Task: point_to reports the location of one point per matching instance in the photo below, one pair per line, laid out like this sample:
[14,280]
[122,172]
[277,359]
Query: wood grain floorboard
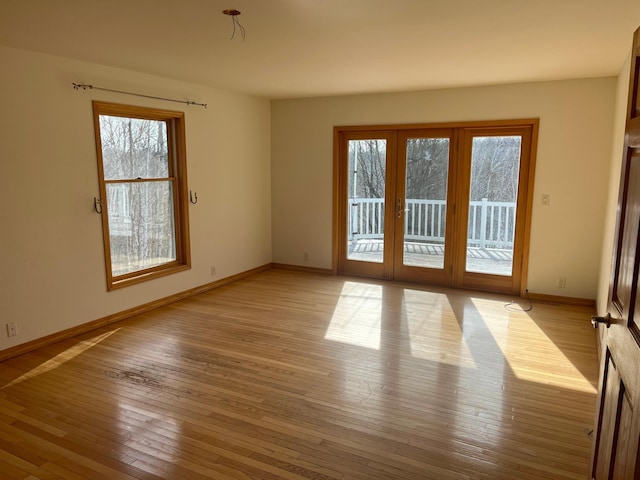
[293,375]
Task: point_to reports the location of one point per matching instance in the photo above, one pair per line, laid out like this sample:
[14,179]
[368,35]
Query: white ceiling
[302,48]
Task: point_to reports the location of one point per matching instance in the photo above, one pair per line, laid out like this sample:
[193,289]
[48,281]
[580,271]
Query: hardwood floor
[294,375]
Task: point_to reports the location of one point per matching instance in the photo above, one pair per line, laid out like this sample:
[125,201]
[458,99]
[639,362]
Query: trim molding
[578,302]
[300,268]
[147,307]
[117,317]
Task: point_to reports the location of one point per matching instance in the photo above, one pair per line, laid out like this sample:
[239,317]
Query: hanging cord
[512,308]
[237,22]
[233,13]
[84,86]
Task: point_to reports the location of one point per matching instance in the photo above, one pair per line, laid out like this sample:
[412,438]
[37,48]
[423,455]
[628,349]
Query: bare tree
[367,162]
[495,167]
[427,168]
[136,169]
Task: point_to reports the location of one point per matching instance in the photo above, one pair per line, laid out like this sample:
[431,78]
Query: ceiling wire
[233,13]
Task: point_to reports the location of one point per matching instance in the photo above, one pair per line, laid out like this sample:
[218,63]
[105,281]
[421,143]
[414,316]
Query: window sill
[146,276]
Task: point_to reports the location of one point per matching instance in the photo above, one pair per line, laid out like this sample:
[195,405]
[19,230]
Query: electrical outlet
[306,256]
[12,330]
[213,270]
[562,282]
[546,200]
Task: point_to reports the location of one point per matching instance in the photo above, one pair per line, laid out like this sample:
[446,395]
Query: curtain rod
[84,86]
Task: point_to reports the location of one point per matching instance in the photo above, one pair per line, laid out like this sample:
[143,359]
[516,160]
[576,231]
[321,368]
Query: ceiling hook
[233,13]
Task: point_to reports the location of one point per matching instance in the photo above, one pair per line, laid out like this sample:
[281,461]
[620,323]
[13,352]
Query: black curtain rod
[84,86]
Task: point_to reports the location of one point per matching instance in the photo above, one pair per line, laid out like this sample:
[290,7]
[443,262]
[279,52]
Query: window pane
[141,225]
[495,167]
[366,191]
[133,148]
[426,202]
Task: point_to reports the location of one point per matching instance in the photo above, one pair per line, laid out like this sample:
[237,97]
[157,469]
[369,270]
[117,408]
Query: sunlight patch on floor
[463,335]
[357,316]
[423,321]
[62,358]
[434,333]
[546,364]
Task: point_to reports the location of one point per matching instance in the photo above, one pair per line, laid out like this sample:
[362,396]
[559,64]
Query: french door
[444,205]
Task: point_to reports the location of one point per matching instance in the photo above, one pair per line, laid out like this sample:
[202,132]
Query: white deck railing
[491,224]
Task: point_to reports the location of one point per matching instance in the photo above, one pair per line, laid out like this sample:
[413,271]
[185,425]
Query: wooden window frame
[176,140]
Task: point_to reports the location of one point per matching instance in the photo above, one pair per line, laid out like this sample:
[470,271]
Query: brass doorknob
[595,320]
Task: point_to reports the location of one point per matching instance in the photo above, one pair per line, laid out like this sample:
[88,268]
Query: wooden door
[495,184]
[366,203]
[405,211]
[617,427]
[461,205]
[424,192]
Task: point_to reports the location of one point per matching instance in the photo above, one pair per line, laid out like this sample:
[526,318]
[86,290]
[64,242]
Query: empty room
[329,239]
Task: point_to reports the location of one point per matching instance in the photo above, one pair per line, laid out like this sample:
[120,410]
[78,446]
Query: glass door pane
[366,185]
[425,208]
[493,194]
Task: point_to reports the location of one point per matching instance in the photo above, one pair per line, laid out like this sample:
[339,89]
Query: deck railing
[491,224]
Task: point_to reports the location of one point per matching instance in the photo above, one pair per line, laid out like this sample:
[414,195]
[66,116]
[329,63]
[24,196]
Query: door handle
[595,320]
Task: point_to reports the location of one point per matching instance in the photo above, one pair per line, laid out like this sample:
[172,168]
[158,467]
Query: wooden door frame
[421,274]
[478,281]
[339,131]
[384,270]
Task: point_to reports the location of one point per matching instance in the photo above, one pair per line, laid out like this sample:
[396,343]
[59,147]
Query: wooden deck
[420,254]
[292,375]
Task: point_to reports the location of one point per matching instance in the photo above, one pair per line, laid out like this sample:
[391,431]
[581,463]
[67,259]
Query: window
[143,187]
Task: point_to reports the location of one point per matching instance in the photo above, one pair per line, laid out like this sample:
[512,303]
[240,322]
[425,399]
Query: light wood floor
[294,375]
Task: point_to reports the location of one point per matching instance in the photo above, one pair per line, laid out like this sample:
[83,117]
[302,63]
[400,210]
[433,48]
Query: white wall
[51,253]
[620,114]
[574,152]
